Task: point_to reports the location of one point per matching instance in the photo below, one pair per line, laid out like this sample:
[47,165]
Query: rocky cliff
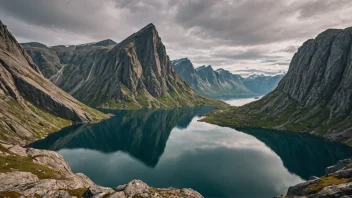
[136,73]
[30,105]
[315,95]
[52,60]
[261,84]
[207,82]
[337,182]
[27,172]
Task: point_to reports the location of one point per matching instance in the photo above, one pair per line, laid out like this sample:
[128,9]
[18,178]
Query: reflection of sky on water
[169,147]
[214,160]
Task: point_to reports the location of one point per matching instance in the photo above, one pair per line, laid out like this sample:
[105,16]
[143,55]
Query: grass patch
[327,181]
[76,192]
[26,164]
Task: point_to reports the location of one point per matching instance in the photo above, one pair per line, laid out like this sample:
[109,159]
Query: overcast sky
[243,36]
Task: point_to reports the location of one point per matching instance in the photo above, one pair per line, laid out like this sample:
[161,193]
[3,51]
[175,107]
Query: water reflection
[216,161]
[142,133]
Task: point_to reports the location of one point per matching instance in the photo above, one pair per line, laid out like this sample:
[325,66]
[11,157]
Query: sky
[243,36]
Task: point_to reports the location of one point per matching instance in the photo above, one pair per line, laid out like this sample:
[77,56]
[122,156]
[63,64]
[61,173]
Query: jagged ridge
[207,82]
[136,73]
[30,105]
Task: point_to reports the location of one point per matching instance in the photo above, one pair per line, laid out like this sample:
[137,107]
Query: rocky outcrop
[337,182]
[135,73]
[261,84]
[38,173]
[30,105]
[207,82]
[315,95]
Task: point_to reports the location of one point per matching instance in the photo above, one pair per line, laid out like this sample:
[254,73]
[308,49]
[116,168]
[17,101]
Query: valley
[184,99]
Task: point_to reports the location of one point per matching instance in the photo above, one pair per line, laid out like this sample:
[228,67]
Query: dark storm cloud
[223,32]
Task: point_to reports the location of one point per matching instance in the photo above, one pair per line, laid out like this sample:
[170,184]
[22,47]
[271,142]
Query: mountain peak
[105,42]
[33,44]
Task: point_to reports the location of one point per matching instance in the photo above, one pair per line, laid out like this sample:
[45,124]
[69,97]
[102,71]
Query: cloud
[225,33]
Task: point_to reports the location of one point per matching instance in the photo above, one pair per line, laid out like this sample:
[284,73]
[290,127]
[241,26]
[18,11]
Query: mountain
[52,60]
[136,73]
[30,105]
[261,84]
[207,82]
[315,95]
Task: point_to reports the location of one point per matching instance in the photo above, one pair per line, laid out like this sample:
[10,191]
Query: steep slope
[207,82]
[315,95]
[30,105]
[136,73]
[52,60]
[261,84]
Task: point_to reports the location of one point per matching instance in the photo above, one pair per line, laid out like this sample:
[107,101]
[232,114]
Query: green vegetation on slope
[291,117]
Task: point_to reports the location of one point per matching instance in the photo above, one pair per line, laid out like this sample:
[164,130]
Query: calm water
[240,101]
[171,148]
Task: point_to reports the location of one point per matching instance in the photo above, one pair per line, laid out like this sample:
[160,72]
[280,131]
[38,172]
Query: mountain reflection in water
[176,150]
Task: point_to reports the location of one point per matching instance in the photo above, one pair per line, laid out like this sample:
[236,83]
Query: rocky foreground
[27,172]
[337,182]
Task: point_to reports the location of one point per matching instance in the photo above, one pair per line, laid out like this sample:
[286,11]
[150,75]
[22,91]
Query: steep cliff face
[136,73]
[52,60]
[30,105]
[207,82]
[315,95]
[261,84]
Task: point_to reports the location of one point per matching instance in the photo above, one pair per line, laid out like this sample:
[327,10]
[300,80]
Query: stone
[343,188]
[341,164]
[68,183]
[117,195]
[313,178]
[136,187]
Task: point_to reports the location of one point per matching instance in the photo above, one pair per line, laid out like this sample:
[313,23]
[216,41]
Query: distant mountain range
[135,73]
[30,105]
[262,84]
[314,96]
[221,83]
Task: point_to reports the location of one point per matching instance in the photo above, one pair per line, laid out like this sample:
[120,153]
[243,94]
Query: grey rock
[29,185]
[341,164]
[117,195]
[136,187]
[11,179]
[121,187]
[345,173]
[334,191]
[313,177]
[343,170]
[300,189]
